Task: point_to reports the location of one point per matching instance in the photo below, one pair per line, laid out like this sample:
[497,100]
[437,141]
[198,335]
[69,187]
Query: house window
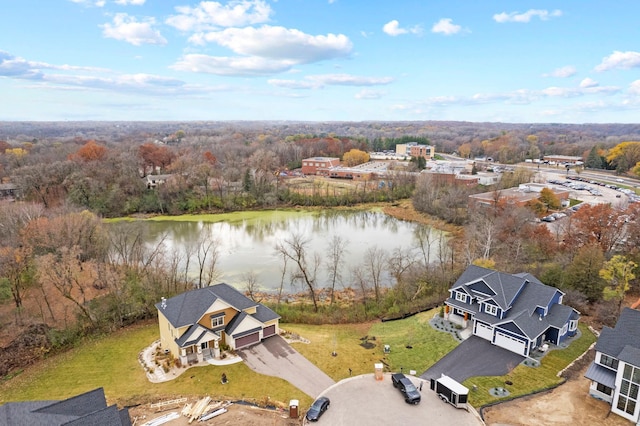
[491,309]
[204,345]
[608,361]
[217,322]
[564,330]
[604,389]
[629,387]
[461,297]
[573,324]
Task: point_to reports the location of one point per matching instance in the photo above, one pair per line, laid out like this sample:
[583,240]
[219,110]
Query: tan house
[193,325]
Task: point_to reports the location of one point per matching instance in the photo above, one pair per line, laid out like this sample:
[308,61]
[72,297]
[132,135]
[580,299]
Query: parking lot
[363,400]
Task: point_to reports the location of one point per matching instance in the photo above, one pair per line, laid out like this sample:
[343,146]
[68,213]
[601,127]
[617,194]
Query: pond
[247,241]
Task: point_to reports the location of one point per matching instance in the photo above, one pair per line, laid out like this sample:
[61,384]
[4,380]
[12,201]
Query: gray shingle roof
[612,341]
[187,308]
[87,409]
[517,294]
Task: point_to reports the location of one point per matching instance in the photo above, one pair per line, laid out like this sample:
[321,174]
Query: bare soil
[237,415]
[568,404]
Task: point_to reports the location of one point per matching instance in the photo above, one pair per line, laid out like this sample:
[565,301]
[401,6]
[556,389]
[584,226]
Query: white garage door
[484,331]
[510,343]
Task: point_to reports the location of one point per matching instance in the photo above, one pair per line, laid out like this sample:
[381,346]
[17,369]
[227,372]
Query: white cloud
[231,66]
[293,84]
[622,60]
[211,15]
[588,82]
[393,29]
[128,28]
[96,3]
[562,72]
[634,87]
[446,26]
[279,43]
[349,80]
[322,80]
[368,94]
[133,2]
[526,16]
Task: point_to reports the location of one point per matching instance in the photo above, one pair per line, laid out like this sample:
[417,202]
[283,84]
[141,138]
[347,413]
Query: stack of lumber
[162,419]
[198,409]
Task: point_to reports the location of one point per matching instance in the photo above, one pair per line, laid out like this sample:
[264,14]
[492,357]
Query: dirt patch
[237,414]
[568,404]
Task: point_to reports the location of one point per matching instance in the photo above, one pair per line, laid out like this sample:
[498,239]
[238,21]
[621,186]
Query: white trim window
[564,330]
[217,321]
[491,309]
[573,325]
[461,297]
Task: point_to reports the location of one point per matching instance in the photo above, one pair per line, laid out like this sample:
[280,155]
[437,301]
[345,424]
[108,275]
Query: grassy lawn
[529,379]
[428,345]
[112,362]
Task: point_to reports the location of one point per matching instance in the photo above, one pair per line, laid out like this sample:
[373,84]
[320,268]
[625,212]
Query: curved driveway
[275,357]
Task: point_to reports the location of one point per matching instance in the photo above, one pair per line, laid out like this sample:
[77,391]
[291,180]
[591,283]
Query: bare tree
[375,259]
[208,253]
[337,249]
[295,249]
[251,284]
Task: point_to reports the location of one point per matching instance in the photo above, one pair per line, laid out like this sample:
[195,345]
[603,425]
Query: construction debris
[165,405]
[162,419]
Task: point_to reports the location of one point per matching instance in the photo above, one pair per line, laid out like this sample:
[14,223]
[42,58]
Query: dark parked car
[319,406]
[401,382]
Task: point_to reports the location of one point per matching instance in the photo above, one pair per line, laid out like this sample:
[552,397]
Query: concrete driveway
[363,400]
[474,357]
[275,357]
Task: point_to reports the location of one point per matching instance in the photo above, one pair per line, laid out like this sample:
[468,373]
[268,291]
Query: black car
[319,406]
[406,386]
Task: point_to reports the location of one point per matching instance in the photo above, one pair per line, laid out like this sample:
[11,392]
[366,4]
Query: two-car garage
[249,337]
[511,343]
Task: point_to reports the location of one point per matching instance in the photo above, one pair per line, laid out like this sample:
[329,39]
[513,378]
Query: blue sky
[572,61]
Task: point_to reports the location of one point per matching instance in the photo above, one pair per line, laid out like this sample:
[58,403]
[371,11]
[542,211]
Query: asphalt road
[362,400]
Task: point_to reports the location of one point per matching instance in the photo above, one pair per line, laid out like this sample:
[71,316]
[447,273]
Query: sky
[570,61]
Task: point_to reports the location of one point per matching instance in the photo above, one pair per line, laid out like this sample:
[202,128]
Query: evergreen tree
[594,160]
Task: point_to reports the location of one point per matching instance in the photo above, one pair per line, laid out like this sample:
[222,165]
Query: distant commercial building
[318,165]
[412,149]
[516,196]
[563,159]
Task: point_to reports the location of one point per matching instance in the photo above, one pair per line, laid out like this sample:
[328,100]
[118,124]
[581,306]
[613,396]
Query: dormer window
[217,320]
[491,309]
[461,297]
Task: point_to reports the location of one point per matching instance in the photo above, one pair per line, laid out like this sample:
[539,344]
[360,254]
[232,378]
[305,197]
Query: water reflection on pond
[247,240]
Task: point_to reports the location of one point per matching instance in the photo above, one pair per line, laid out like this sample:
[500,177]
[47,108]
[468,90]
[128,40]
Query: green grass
[530,379]
[428,345]
[112,363]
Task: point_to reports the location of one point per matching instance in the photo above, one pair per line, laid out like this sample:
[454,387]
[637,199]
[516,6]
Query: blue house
[514,311]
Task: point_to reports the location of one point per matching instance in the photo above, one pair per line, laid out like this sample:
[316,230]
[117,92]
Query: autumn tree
[91,151]
[154,158]
[355,157]
[601,224]
[583,273]
[624,156]
[16,266]
[618,272]
[549,199]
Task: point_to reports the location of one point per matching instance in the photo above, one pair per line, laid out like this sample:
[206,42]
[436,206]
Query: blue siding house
[514,311]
